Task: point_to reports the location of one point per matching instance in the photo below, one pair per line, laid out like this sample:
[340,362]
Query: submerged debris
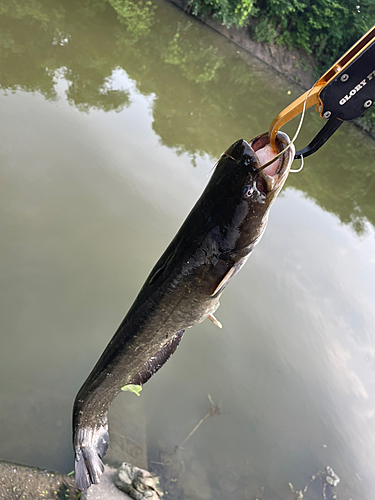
[214,409]
[170,466]
[139,484]
[331,479]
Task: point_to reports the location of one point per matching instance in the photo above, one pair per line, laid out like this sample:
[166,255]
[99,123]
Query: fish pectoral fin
[215,321]
[220,287]
[230,273]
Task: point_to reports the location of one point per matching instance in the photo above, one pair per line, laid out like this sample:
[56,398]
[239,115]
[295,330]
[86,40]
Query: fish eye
[247,191]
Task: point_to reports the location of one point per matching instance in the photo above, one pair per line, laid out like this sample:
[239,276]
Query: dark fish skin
[211,246]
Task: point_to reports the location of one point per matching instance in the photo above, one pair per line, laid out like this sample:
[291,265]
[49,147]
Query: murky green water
[110,124]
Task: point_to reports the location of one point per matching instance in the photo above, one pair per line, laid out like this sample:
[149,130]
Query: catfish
[184,287]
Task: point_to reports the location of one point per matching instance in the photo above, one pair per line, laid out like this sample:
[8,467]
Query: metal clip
[344,92]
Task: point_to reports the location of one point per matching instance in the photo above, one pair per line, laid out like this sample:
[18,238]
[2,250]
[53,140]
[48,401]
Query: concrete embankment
[127,425]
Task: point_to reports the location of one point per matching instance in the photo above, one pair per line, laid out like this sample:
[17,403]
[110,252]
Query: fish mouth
[274,175]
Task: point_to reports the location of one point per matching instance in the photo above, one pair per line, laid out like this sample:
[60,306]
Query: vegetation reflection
[202,94]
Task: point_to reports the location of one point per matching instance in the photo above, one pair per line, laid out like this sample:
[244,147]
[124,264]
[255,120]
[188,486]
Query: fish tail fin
[92,445]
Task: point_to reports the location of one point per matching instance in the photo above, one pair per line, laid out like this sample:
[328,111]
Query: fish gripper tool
[343,93]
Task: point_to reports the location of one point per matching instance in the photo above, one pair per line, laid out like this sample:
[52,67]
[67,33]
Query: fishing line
[295,171]
[294,138]
[262,167]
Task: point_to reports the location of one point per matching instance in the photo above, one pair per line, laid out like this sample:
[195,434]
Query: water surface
[109,130]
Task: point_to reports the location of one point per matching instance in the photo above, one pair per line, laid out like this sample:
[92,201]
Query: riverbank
[127,422]
[296,65]
[20,481]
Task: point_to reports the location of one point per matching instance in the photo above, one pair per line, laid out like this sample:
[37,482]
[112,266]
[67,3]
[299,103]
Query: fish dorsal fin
[158,271]
[160,266]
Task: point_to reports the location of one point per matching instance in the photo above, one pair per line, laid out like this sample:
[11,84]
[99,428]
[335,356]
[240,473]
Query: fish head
[261,184]
[245,188]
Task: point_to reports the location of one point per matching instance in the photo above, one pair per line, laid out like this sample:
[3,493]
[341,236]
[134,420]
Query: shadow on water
[198,93]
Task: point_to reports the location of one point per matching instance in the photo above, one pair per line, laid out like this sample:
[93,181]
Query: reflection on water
[205,95]
[108,106]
